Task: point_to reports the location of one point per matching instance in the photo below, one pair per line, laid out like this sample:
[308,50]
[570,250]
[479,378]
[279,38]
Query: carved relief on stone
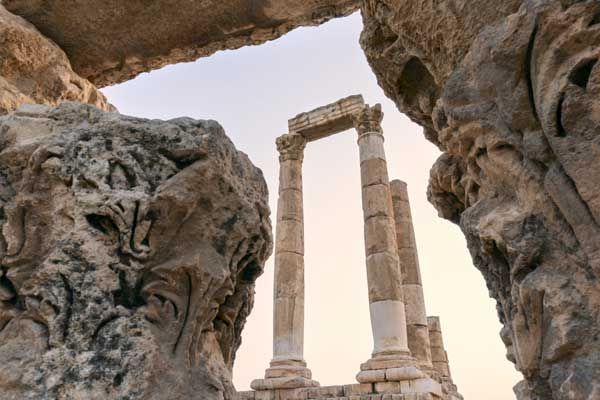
[291,147]
[369,119]
[128,255]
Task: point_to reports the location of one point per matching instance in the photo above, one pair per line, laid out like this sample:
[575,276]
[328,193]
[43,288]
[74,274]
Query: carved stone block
[128,254]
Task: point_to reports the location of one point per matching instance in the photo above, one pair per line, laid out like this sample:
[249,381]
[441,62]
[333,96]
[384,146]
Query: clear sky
[252,92]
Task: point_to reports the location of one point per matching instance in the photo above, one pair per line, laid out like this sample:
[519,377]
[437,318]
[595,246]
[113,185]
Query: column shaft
[288,314]
[438,352]
[440,358]
[288,369]
[416,315]
[388,319]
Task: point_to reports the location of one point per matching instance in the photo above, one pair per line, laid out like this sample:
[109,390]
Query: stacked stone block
[414,299]
[440,358]
[407,390]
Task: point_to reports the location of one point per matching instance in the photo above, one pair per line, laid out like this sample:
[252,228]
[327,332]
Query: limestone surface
[128,254]
[509,92]
[111,41]
[416,389]
[33,69]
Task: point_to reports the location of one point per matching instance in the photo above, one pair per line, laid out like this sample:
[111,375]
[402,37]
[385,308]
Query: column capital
[368,120]
[291,147]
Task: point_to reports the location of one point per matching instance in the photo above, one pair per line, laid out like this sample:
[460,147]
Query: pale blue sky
[252,92]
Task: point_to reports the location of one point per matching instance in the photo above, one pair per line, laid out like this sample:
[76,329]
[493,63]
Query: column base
[451,390]
[287,382]
[285,374]
[390,368]
[418,389]
[430,371]
[397,371]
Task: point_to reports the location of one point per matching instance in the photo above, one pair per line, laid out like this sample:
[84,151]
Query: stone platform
[418,389]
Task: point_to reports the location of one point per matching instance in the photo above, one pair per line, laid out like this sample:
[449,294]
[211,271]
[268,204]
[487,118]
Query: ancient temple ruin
[408,358]
[129,248]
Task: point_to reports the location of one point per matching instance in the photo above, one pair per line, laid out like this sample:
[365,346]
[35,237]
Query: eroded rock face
[516,114]
[128,254]
[413,46]
[35,70]
[111,41]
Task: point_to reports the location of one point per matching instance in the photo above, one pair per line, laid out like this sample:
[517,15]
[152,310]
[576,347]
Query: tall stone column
[440,358]
[386,300]
[416,315]
[288,368]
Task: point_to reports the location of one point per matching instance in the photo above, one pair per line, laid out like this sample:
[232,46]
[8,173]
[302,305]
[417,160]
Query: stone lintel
[327,120]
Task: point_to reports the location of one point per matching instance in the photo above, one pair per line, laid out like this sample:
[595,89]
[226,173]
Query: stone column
[388,318]
[440,358]
[416,315]
[288,368]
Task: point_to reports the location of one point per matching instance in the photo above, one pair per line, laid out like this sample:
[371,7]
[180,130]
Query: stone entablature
[327,120]
[401,366]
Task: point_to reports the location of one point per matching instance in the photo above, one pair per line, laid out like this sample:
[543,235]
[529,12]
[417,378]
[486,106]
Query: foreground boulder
[510,94]
[111,41]
[35,70]
[128,254]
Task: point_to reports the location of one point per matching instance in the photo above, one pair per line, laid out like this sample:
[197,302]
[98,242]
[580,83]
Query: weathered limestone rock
[35,70]
[514,107]
[128,254]
[111,41]
[414,45]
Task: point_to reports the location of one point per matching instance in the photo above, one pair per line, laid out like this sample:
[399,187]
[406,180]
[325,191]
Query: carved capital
[291,147]
[368,120]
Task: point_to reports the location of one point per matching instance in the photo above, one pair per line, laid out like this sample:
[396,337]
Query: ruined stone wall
[509,91]
[128,254]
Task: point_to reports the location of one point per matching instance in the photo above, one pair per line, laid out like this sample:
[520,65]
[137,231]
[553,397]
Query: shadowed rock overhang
[111,41]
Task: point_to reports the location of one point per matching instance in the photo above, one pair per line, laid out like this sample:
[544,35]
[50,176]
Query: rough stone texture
[327,120]
[35,70]
[412,389]
[414,45]
[111,41]
[407,390]
[510,95]
[128,254]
